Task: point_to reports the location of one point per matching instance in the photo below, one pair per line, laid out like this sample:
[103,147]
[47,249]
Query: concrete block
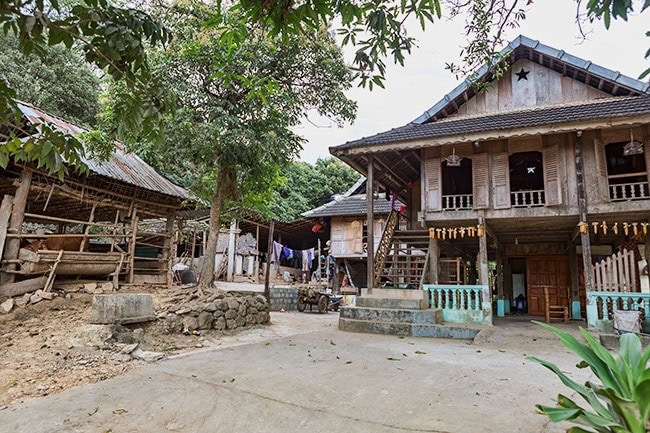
[122,308]
[429,316]
[406,329]
[404,303]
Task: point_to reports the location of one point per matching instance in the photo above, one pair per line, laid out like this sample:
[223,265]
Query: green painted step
[404,304]
[428,316]
[406,329]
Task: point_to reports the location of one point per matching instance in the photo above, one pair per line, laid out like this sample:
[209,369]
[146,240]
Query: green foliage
[620,403]
[377,28]
[59,82]
[111,38]
[307,186]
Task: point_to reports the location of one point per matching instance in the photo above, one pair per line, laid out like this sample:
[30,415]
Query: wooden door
[551,272]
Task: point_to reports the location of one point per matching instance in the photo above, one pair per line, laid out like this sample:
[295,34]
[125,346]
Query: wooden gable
[539,86]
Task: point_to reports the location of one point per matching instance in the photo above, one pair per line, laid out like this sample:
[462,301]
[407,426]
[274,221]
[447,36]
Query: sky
[412,89]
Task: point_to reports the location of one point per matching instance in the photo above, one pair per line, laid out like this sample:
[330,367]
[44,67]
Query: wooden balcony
[532,198]
[629,191]
[457,202]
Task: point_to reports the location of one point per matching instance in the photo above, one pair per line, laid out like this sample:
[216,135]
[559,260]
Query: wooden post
[484,275]
[231,250]
[134,234]
[434,255]
[582,209]
[575,289]
[257,257]
[371,221]
[267,275]
[501,301]
[16,222]
[114,231]
[169,243]
[5,214]
[86,241]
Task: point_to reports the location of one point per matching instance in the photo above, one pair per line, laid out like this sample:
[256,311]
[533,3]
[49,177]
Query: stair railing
[385,243]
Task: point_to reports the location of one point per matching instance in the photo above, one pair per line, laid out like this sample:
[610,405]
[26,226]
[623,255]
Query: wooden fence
[616,273]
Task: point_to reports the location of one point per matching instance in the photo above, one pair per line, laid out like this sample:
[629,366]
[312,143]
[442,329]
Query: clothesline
[300,259]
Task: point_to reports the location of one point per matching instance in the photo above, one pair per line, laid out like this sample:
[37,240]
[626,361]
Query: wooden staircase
[402,256]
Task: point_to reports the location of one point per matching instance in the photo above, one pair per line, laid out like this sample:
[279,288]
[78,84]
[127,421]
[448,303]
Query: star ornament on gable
[523,75]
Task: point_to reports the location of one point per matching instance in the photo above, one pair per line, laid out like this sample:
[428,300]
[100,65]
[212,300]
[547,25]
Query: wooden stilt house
[536,180]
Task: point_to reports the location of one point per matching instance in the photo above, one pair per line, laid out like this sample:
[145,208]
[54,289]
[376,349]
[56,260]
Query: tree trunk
[207,270]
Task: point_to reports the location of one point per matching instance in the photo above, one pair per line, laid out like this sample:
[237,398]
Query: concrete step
[406,329]
[428,316]
[395,303]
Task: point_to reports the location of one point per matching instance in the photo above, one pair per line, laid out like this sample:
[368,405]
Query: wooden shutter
[646,147]
[480,181]
[552,178]
[337,237]
[433,184]
[355,237]
[601,169]
[501,181]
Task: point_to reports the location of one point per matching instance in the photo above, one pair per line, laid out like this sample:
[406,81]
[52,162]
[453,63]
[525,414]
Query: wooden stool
[555,311]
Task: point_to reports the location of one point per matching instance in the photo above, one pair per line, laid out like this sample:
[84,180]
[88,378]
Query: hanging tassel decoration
[644,228]
[615,228]
[444,234]
[432,233]
[455,232]
[462,232]
[480,230]
[595,226]
[438,233]
[626,228]
[635,229]
[582,227]
[604,227]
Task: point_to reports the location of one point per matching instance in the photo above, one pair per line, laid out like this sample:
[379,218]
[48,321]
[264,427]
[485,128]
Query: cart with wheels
[312,296]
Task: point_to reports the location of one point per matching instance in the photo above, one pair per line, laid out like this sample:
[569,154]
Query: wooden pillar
[507,283]
[85,243]
[371,222]
[257,258]
[231,250]
[5,215]
[169,248]
[132,240]
[267,274]
[434,256]
[502,308]
[16,222]
[582,209]
[575,289]
[484,275]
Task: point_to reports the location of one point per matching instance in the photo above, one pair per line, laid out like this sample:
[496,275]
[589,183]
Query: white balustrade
[531,198]
[629,191]
[457,202]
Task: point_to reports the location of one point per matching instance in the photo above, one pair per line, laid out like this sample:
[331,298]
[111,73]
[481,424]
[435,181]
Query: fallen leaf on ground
[119,411]
[390,358]
[419,352]
[94,411]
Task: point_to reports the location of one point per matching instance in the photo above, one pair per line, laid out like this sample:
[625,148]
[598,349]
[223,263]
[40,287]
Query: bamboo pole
[5,214]
[166,255]
[87,227]
[114,231]
[134,232]
[70,221]
[267,276]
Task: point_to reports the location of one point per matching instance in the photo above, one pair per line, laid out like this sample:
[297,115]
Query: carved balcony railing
[457,202]
[532,198]
[461,303]
[629,191]
[602,305]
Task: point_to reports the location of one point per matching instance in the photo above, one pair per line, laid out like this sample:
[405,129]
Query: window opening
[526,179]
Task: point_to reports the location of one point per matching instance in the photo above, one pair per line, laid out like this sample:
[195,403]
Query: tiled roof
[350,206]
[607,108]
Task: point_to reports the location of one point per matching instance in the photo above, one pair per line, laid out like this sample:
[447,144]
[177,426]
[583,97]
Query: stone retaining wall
[284,297]
[225,312]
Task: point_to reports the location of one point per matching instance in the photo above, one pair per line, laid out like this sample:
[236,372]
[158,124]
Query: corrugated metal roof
[122,166]
[557,55]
